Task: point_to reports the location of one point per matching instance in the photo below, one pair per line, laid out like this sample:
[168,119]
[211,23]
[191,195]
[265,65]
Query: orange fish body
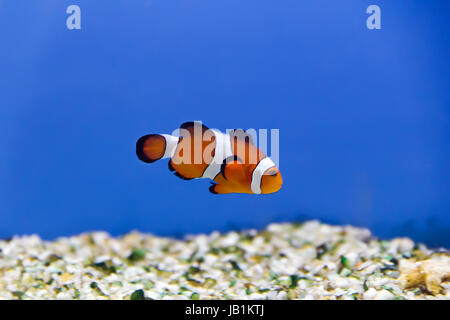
[232,161]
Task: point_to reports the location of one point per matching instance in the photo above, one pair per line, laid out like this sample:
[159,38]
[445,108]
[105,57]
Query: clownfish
[231,160]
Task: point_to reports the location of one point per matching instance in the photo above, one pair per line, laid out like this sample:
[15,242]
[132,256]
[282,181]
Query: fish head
[271,180]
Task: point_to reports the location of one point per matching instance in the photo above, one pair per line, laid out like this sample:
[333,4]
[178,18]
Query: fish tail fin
[153,147]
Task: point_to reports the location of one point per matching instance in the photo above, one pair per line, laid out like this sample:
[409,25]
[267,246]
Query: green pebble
[195,296]
[137,255]
[138,295]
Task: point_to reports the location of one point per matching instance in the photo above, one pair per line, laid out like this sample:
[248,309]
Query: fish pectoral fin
[232,169]
[217,188]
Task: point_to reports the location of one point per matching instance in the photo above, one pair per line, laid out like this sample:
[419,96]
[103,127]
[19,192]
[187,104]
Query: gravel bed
[285,261]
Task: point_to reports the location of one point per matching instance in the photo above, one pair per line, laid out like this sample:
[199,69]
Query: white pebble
[384,295]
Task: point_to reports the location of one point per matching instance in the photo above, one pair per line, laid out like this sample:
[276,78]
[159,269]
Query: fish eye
[272,172]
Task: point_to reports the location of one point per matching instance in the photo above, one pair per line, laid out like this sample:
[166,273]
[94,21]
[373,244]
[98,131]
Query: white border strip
[171,145]
[262,167]
[222,151]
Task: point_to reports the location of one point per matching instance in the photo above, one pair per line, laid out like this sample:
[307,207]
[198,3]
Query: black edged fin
[171,168]
[159,145]
[240,129]
[181,176]
[140,150]
[226,161]
[211,188]
[190,124]
[241,134]
[175,173]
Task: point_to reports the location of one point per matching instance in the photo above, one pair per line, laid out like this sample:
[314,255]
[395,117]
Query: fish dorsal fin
[233,169]
[190,125]
[241,135]
[243,145]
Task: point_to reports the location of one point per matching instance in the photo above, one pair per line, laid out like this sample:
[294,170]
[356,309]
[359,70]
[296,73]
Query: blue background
[363,114]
